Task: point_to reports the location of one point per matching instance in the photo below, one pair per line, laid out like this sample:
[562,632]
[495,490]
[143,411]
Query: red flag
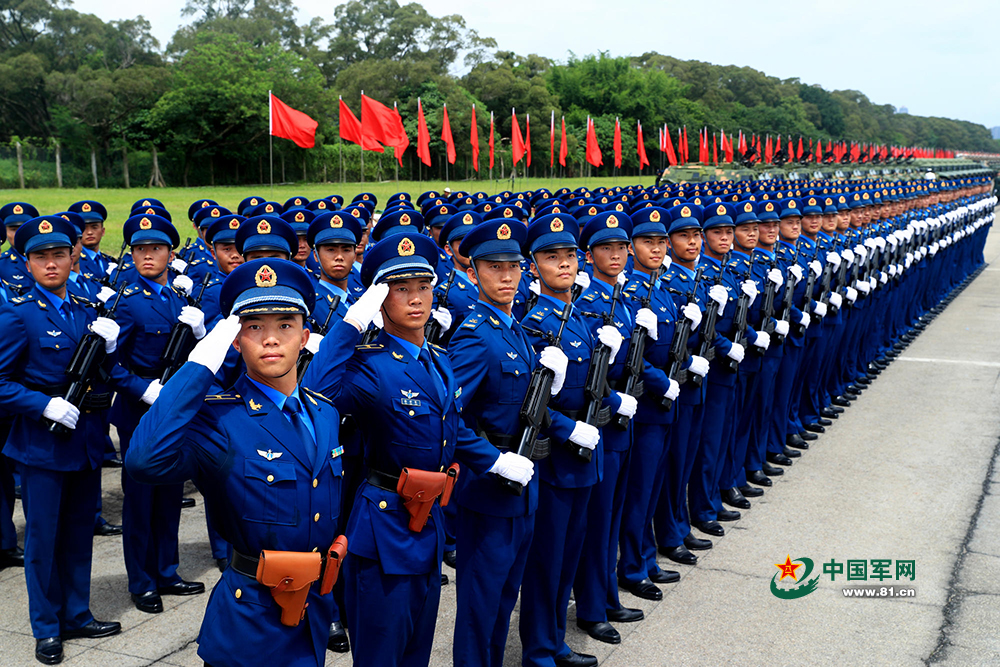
[616,144]
[491,140]
[449,142]
[715,150]
[640,146]
[350,130]
[403,141]
[291,124]
[423,136]
[703,145]
[383,124]
[527,140]
[685,147]
[474,140]
[516,140]
[552,140]
[819,151]
[777,147]
[798,152]
[594,156]
[563,148]
[768,155]
[668,140]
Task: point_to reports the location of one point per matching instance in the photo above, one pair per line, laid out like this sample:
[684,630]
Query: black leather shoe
[625,615]
[112,463]
[13,557]
[107,530]
[824,422]
[444,579]
[601,631]
[450,558]
[837,410]
[752,491]
[759,477]
[772,471]
[665,577]
[645,589]
[795,440]
[337,641]
[149,602]
[679,555]
[696,543]
[727,515]
[807,437]
[49,651]
[854,390]
[577,660]
[816,427]
[779,459]
[183,588]
[862,380]
[187,503]
[709,527]
[841,402]
[793,454]
[222,564]
[734,498]
[830,413]
[94,630]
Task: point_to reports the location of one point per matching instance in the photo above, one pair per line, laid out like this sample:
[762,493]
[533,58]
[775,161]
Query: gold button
[239,593]
[315,548]
[579,358]
[315,483]
[270,478]
[412,413]
[57,347]
[316,518]
[382,505]
[444,444]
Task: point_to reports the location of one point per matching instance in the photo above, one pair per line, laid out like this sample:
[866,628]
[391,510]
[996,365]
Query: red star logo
[788,568]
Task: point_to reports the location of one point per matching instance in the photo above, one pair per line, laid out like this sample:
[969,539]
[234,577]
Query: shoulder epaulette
[316,394]
[473,321]
[589,297]
[134,289]
[82,301]
[369,348]
[438,348]
[18,300]
[223,398]
[539,314]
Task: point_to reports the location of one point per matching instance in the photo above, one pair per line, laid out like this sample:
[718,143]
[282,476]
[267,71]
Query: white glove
[833,258]
[848,256]
[622,279]
[443,317]
[870,243]
[872,281]
[883,278]
[211,350]
[749,288]
[816,267]
[880,242]
[647,320]
[892,270]
[111,268]
[667,262]
[585,435]
[514,467]
[805,320]
[699,365]
[781,327]
[674,391]
[719,295]
[736,352]
[629,405]
[862,252]
[774,275]
[693,313]
[312,345]
[105,294]
[108,330]
[555,360]
[377,320]
[836,300]
[763,340]
[909,260]
[582,279]
[152,392]
[364,310]
[194,318]
[610,336]
[535,287]
[863,286]
[820,309]
[796,271]
[178,265]
[184,284]
[62,411]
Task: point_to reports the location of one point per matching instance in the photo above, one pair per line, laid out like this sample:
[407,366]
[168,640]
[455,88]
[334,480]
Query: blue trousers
[560,528]
[670,520]
[390,617]
[58,547]
[646,475]
[762,402]
[717,425]
[8,533]
[783,385]
[733,472]
[491,554]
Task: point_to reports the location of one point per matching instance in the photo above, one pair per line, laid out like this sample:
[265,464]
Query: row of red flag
[381,127]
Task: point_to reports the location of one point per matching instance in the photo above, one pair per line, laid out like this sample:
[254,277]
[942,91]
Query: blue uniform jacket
[14,271]
[656,356]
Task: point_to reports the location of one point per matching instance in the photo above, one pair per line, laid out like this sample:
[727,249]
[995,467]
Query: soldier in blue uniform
[15,276]
[199,248]
[266,455]
[11,555]
[493,361]
[460,293]
[92,260]
[60,474]
[148,313]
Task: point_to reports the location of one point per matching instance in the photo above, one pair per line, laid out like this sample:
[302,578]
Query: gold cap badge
[266,277]
[263,227]
[405,248]
[503,233]
[45,227]
[145,223]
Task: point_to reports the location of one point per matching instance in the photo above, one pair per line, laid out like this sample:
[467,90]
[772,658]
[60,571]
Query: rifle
[678,345]
[597,381]
[186,250]
[432,330]
[741,322]
[706,348]
[826,280]
[181,339]
[767,310]
[634,386]
[305,356]
[85,366]
[106,279]
[786,302]
[810,288]
[535,408]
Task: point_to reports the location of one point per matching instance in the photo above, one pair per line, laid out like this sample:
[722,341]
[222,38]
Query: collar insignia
[255,407]
[397,357]
[494,320]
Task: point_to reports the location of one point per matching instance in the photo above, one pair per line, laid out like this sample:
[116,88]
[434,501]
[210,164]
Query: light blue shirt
[157,288]
[334,290]
[415,351]
[504,317]
[278,399]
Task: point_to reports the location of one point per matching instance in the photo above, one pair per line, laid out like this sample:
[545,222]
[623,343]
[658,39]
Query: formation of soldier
[542,390]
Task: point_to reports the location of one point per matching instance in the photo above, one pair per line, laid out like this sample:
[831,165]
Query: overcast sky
[934,58]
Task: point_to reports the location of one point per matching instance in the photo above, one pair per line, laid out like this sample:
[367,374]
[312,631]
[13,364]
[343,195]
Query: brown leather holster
[289,574]
[420,488]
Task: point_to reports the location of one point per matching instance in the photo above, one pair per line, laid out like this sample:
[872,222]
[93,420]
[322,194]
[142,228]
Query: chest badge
[255,407]
[408,393]
[663,309]
[576,343]
[269,455]
[512,355]
[54,333]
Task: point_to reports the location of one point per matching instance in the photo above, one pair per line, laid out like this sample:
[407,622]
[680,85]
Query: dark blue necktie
[293,410]
[425,360]
[67,312]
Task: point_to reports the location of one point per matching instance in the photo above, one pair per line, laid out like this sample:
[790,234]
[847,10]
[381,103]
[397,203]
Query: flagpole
[362,136]
[270,140]
[340,152]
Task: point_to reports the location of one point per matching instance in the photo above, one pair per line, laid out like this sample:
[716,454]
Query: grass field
[118,202]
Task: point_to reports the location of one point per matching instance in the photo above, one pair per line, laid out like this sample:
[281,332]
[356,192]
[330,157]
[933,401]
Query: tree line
[109,96]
